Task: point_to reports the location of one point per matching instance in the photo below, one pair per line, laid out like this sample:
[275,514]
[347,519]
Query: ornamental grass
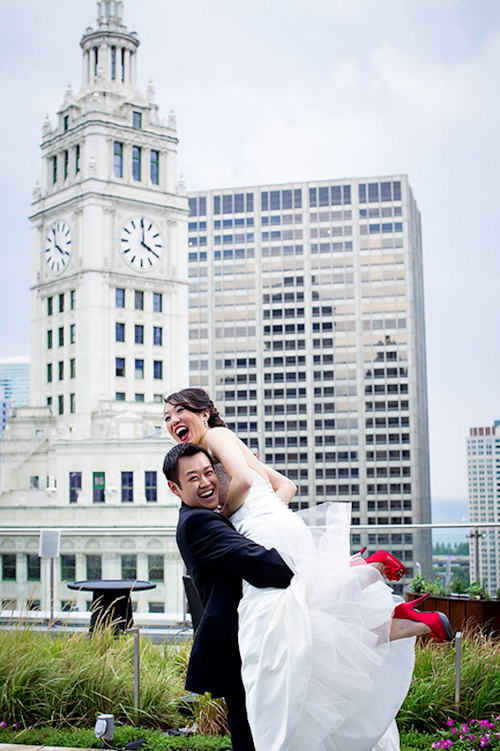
[60,679]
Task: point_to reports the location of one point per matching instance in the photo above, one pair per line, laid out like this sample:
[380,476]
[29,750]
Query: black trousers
[241,735]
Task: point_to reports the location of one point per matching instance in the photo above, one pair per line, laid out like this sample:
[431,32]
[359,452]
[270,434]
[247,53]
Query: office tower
[483,468]
[306,324]
[109,312]
[14,386]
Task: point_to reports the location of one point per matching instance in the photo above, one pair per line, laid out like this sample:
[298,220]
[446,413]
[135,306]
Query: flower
[3,725]
[449,721]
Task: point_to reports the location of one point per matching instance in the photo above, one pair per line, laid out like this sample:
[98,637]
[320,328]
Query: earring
[205,424]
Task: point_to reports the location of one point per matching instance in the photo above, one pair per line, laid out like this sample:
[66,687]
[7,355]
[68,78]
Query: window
[158,335]
[54,170]
[158,370]
[72,297]
[61,303]
[49,306]
[72,333]
[139,368]
[129,567]
[139,300]
[33,564]
[94,566]
[72,368]
[136,162]
[119,332]
[49,339]
[139,397]
[98,487]
[34,482]
[68,568]
[113,66]
[66,163]
[156,571]
[61,336]
[61,370]
[119,298]
[120,396]
[118,159]
[66,122]
[120,367]
[157,302]
[60,404]
[77,158]
[139,334]
[156,607]
[155,167]
[127,487]
[150,486]
[137,120]
[72,404]
[75,486]
[8,567]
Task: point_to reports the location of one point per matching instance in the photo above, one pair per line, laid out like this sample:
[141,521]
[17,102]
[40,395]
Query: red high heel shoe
[394,569]
[438,622]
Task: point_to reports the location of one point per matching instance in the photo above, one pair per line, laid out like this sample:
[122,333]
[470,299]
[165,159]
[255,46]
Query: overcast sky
[284,90]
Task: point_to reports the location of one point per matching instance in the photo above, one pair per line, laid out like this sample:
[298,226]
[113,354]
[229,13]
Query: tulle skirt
[319,671]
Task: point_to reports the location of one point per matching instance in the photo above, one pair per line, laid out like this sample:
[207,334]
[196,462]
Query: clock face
[58,247]
[141,243]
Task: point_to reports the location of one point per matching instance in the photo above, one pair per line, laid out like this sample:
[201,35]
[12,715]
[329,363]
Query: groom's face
[198,484]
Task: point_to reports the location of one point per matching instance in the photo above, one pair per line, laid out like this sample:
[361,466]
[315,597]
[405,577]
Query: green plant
[431,698]
[421,584]
[85,738]
[478,591]
[48,679]
[473,735]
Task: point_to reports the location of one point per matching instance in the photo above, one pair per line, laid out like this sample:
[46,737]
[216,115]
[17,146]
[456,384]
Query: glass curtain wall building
[307,328]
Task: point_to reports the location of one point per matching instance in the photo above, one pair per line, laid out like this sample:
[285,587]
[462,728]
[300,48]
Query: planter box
[460,609]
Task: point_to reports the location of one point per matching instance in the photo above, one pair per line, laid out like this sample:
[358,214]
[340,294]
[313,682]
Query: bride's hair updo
[197,400]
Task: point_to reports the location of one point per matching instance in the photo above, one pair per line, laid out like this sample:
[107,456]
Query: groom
[218,558]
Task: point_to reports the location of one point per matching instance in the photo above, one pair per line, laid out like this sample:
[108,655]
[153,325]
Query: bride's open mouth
[182,432]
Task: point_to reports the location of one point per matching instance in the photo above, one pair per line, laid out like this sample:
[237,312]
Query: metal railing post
[136,632]
[458,666]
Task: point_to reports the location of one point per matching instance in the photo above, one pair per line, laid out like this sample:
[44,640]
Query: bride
[327,662]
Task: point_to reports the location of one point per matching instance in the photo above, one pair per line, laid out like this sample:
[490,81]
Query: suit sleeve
[215,544]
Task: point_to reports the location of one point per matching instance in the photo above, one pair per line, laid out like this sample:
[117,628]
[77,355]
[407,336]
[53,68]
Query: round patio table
[111,602]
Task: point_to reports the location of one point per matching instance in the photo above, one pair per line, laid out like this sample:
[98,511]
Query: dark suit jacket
[218,558]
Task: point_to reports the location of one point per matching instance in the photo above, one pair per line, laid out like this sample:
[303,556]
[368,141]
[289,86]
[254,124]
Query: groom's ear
[176,490]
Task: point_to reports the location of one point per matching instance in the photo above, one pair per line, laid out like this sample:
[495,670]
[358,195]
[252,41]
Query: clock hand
[148,248]
[142,225]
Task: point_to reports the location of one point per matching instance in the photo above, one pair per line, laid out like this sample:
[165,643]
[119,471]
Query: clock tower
[109,327]
[109,292]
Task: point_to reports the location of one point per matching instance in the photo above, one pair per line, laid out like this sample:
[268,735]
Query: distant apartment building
[307,327]
[483,466]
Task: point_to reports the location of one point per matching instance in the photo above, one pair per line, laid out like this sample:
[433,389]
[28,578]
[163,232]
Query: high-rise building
[14,386]
[109,307]
[15,378]
[307,326]
[483,467]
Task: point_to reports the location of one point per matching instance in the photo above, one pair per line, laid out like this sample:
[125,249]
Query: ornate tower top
[110,13]
[109,52]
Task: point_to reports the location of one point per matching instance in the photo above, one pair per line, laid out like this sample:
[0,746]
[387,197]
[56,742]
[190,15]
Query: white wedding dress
[319,671]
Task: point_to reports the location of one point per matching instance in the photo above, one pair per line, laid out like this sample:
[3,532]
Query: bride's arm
[282,486]
[222,445]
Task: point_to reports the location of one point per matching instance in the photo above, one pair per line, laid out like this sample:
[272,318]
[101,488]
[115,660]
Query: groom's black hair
[171,461]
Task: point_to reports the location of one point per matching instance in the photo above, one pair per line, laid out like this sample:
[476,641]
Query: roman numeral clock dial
[141,244]
[58,247]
